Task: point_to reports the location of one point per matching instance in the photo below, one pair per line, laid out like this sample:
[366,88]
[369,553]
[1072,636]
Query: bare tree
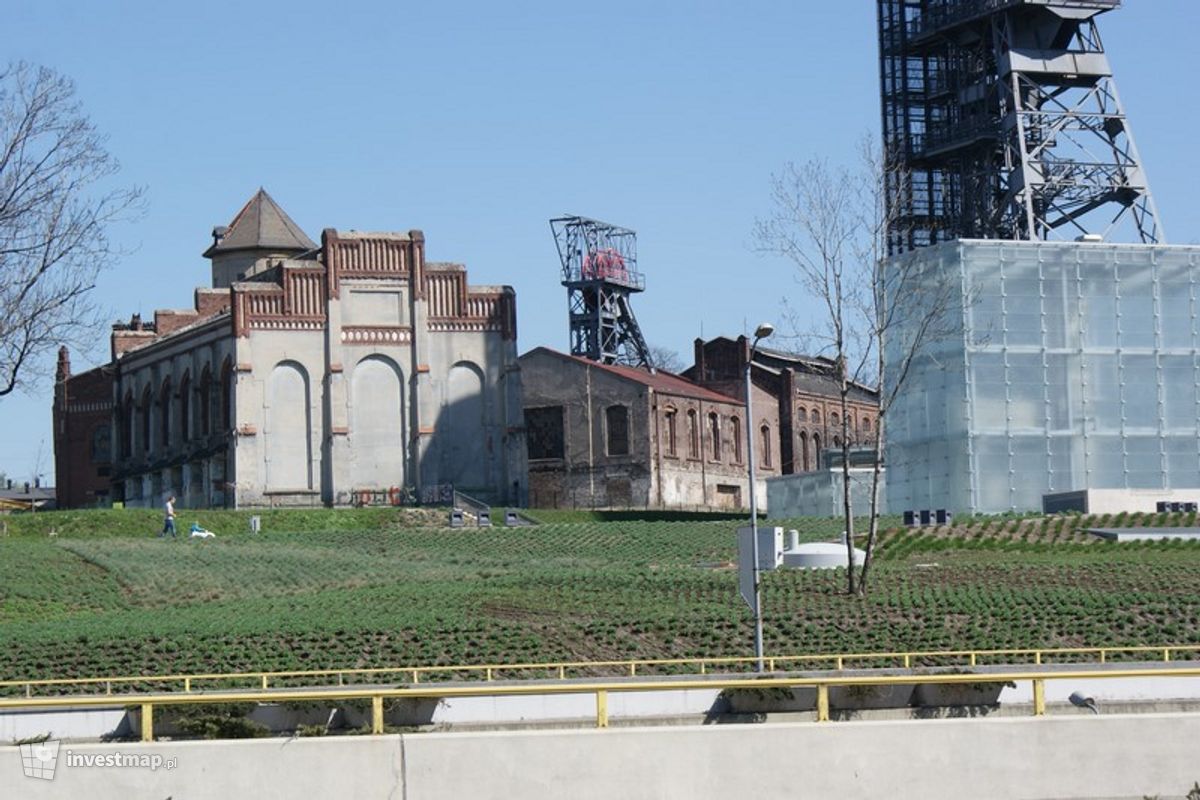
[54,212]
[832,225]
[666,359]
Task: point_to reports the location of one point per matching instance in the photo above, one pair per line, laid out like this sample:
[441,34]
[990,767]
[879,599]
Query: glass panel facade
[1076,368]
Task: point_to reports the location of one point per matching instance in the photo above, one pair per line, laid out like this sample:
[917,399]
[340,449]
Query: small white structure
[817,555]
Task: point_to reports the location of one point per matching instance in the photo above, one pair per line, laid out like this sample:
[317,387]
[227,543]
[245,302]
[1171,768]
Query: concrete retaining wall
[1054,757]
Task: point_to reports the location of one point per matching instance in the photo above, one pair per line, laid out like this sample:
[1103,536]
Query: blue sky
[478,121]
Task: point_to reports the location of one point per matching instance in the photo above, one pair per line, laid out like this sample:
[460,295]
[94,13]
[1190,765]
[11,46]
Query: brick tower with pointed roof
[260,230]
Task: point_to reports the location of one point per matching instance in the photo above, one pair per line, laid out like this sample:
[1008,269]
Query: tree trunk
[873,522]
[847,500]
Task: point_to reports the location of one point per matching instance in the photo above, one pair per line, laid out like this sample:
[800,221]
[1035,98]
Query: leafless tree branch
[55,208]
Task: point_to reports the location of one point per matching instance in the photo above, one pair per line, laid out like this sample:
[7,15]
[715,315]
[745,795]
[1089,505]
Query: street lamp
[762,332]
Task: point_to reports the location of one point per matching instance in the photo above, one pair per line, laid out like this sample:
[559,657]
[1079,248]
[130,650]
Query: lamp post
[761,332]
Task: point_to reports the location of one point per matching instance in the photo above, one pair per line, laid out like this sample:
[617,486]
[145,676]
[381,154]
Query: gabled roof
[261,225]
[659,381]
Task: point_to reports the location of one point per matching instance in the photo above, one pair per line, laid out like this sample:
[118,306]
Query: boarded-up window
[544,432]
[616,421]
[671,431]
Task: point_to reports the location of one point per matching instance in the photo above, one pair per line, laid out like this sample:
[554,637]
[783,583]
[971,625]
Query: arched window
[669,419]
[128,426]
[205,401]
[801,415]
[765,435]
[714,427]
[616,421]
[834,420]
[837,441]
[147,405]
[693,434]
[804,464]
[816,417]
[816,451]
[164,415]
[735,431]
[185,408]
[866,424]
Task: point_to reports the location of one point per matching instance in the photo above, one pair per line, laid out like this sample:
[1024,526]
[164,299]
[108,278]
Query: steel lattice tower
[1001,120]
[599,269]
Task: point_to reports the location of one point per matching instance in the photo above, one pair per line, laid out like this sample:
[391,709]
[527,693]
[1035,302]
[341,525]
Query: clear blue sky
[478,121]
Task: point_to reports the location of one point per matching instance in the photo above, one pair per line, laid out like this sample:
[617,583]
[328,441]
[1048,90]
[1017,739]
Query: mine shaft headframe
[590,249]
[1001,120]
[599,270]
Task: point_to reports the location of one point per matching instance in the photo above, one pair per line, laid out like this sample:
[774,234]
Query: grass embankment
[368,587]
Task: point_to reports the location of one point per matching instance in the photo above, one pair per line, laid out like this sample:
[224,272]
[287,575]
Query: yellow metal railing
[631,668]
[599,689]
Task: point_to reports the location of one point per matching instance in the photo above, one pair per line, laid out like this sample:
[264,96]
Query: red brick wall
[83,406]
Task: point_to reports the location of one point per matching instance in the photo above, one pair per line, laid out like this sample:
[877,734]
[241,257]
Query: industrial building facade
[349,371]
[615,436]
[804,393]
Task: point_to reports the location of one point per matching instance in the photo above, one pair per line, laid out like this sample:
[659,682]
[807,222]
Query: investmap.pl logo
[39,759]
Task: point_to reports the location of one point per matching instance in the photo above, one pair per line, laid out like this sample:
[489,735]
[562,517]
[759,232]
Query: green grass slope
[378,587]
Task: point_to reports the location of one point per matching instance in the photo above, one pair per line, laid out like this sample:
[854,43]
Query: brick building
[82,435]
[801,391]
[616,437]
[315,374]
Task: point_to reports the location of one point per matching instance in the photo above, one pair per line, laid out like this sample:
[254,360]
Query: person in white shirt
[169,518]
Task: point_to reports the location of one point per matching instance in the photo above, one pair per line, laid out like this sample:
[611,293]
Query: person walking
[169,518]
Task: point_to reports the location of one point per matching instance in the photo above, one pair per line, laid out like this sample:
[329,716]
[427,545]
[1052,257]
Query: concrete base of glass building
[1074,365]
[819,494]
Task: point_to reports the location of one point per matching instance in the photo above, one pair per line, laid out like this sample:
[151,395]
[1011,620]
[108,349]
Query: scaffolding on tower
[1001,120]
[599,269]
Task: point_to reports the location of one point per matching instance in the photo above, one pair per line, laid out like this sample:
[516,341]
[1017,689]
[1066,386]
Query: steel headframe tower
[1001,120]
[599,269]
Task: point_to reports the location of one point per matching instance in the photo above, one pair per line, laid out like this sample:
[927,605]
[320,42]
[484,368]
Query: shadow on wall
[470,446]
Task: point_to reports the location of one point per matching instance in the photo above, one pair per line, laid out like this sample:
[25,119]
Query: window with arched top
[205,402]
[801,415]
[128,425]
[816,451]
[164,415]
[764,433]
[693,434]
[816,417]
[185,408]
[837,441]
[866,424]
[714,428]
[834,419]
[147,405]
[671,430]
[735,438]
[804,462]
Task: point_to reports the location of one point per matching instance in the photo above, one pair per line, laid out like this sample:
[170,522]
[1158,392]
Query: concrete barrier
[1083,756]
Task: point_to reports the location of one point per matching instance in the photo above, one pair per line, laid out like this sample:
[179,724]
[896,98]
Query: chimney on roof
[64,363]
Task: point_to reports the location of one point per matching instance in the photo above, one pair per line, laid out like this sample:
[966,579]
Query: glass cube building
[1071,366]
